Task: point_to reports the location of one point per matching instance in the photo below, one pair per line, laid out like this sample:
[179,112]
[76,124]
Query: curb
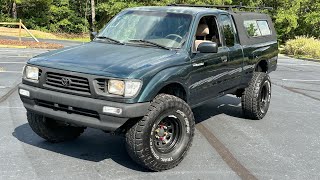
[302,58]
[24,47]
[12,46]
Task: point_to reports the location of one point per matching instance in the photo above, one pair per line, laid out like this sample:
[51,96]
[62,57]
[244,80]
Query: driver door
[206,75]
[207,71]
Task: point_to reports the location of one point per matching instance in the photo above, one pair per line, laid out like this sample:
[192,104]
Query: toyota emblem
[66,82]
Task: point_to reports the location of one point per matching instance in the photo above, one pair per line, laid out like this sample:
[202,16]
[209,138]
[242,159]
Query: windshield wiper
[149,43]
[110,39]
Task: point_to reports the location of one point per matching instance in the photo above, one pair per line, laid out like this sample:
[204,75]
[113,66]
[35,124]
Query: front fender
[176,74]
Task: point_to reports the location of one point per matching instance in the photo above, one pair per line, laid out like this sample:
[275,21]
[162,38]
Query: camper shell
[245,39]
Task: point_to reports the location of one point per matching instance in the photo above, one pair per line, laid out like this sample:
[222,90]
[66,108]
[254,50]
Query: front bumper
[83,111]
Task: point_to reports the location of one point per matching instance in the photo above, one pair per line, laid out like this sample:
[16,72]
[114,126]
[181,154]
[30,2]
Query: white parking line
[302,80]
[12,62]
[18,56]
[5,107]
[21,50]
[294,112]
[18,72]
[15,52]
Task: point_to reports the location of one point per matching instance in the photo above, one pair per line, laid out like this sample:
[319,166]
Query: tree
[14,10]
[291,17]
[93,16]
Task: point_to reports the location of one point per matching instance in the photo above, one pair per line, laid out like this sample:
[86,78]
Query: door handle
[224,58]
[198,64]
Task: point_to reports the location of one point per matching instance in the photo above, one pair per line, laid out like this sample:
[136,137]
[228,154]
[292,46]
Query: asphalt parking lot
[284,145]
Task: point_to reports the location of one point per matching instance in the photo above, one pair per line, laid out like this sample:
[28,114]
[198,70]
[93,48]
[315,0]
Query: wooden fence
[21,25]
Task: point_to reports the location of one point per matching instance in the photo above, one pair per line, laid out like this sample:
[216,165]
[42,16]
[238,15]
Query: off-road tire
[251,99]
[51,130]
[140,137]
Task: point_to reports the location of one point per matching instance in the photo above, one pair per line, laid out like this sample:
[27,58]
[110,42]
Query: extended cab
[145,71]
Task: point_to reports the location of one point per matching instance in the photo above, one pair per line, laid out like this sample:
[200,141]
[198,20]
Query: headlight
[116,87]
[128,88]
[32,73]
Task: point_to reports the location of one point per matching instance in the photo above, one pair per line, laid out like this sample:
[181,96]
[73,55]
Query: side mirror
[93,35]
[208,47]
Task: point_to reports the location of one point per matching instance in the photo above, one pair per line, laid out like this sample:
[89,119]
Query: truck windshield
[169,30]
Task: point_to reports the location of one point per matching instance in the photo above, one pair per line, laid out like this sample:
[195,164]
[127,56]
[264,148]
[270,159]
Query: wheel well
[262,66]
[239,92]
[175,89]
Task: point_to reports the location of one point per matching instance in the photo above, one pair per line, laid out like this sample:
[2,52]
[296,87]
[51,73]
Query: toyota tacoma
[146,70]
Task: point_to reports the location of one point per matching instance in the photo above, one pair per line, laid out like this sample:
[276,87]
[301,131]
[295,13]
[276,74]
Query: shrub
[303,46]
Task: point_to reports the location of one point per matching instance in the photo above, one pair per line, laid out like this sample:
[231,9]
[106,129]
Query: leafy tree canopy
[291,17]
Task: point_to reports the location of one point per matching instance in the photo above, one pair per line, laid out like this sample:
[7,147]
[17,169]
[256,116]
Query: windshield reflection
[169,30]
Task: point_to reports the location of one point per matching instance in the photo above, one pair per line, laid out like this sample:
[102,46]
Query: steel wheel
[264,97]
[167,134]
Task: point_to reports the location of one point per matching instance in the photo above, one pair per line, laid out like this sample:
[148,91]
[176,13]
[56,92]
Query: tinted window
[228,30]
[257,28]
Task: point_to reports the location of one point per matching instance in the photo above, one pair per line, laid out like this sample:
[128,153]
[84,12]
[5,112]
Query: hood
[104,59]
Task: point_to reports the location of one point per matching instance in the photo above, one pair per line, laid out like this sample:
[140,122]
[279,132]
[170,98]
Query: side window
[256,28]
[228,30]
[264,27]
[207,30]
[252,28]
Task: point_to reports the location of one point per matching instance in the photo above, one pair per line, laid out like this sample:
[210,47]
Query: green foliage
[303,46]
[292,17]
[64,19]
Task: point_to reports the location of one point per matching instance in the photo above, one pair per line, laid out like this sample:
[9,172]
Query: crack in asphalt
[311,90]
[226,155]
[8,94]
[294,90]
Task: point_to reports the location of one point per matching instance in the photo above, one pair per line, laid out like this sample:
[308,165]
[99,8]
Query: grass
[73,37]
[303,47]
[43,35]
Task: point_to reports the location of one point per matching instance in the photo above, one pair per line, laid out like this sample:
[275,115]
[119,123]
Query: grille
[68,109]
[75,83]
[101,84]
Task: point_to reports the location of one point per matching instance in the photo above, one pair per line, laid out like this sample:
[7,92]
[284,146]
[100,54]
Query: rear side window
[228,30]
[257,28]
[264,28]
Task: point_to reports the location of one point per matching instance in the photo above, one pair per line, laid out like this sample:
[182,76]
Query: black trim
[79,110]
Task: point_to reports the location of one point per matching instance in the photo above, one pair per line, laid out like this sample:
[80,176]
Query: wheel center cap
[161,132]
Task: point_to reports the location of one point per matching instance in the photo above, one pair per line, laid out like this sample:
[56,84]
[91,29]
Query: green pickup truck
[145,71]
